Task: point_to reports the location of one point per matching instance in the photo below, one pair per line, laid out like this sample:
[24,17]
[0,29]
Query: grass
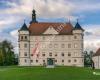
[40,73]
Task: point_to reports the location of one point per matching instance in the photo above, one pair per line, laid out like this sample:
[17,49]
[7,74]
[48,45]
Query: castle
[50,43]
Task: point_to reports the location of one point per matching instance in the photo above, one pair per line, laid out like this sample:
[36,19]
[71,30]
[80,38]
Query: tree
[7,56]
[1,57]
[88,58]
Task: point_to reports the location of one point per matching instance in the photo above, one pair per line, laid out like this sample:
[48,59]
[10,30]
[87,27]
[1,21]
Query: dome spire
[24,27]
[77,26]
[33,17]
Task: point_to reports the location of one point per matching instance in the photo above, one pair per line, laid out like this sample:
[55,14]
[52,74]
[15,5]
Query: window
[62,45]
[21,37]
[38,55]
[75,37]
[43,60]
[69,45]
[50,45]
[69,61]
[62,60]
[62,54]
[43,54]
[37,61]
[26,37]
[31,54]
[55,60]
[69,53]
[63,38]
[55,54]
[50,54]
[31,61]
[75,45]
[25,54]
[75,60]
[25,45]
[25,60]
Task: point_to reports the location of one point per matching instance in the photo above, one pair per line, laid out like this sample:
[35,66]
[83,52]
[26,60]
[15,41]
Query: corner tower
[78,35]
[24,55]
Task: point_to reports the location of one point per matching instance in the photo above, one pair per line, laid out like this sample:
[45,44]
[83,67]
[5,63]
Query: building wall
[55,44]
[24,46]
[96,60]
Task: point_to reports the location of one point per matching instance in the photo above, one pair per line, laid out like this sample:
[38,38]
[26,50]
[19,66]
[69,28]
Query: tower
[24,55]
[78,33]
[33,17]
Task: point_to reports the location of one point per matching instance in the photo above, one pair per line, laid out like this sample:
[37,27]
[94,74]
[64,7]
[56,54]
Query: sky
[14,12]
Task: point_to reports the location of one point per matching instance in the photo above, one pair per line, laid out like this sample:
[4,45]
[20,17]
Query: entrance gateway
[50,63]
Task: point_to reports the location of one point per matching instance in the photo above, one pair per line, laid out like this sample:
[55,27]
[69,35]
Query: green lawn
[40,73]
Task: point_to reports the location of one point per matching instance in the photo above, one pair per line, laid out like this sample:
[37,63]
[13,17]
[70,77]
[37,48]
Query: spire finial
[24,20]
[33,17]
[77,20]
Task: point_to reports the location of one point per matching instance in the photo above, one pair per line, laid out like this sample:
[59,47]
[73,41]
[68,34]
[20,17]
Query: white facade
[64,50]
[96,60]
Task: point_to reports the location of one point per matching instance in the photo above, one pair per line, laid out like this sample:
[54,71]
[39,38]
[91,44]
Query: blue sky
[13,13]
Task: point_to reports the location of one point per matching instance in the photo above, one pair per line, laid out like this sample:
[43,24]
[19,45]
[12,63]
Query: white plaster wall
[44,47]
[96,60]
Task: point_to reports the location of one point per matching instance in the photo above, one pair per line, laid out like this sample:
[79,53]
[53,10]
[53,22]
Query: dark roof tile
[78,27]
[24,27]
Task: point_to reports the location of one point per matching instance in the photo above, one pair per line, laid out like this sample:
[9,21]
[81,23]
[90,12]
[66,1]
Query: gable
[50,30]
[97,53]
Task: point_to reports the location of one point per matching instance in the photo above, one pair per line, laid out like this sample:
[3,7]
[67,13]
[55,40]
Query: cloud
[16,11]
[92,37]
[51,8]
[14,34]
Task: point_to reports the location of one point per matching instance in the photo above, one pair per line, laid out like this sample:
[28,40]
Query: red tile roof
[41,27]
[97,53]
